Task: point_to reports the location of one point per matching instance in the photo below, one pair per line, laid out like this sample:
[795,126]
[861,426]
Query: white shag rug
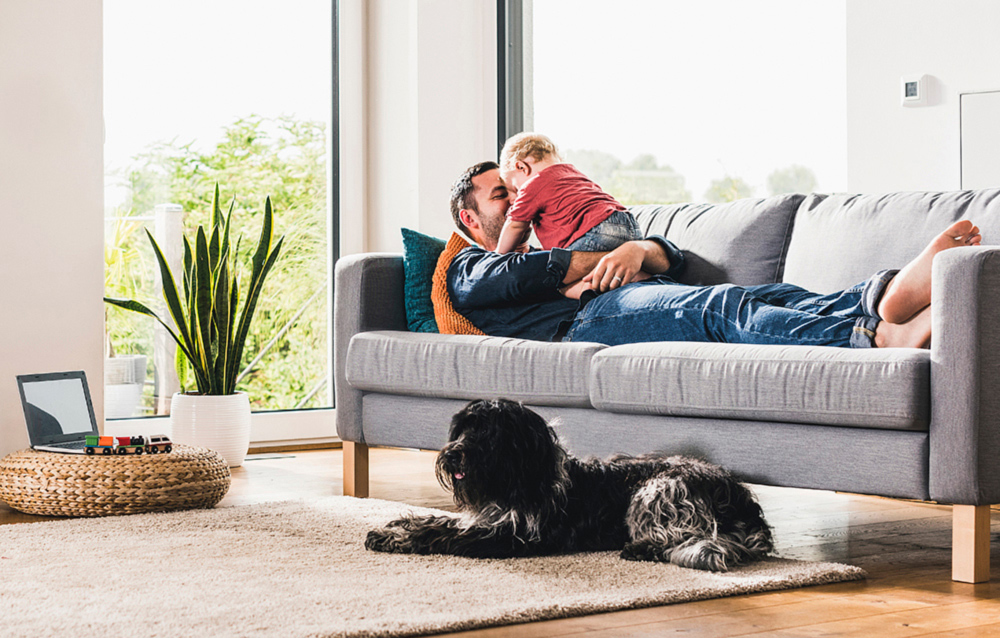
[300,569]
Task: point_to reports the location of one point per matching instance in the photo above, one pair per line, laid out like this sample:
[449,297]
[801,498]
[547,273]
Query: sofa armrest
[368,295]
[965,377]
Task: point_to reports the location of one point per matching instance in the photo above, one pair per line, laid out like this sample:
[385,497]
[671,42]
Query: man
[628,296]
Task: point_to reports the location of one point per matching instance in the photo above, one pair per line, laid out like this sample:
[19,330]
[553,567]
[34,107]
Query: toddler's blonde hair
[533,145]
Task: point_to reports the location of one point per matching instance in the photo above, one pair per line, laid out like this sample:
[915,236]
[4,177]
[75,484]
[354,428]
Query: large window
[238,93]
[688,101]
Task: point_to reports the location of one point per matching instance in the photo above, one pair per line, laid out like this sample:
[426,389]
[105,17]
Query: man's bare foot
[910,290]
[915,333]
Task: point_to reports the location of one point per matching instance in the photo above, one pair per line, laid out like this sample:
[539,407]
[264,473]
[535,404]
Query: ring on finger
[616,278]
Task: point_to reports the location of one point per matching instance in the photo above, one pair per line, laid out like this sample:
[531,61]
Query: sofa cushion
[449,320]
[741,242]
[420,257]
[878,388]
[877,231]
[471,367]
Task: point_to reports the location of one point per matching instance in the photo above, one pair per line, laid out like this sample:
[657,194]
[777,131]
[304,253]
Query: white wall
[51,182]
[428,79]
[890,147]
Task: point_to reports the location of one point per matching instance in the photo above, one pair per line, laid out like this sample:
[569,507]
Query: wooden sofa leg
[970,543]
[355,469]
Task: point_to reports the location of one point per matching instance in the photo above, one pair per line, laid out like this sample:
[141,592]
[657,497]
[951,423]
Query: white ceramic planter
[220,423]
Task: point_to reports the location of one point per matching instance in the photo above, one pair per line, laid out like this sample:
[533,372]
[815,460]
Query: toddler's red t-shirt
[562,204]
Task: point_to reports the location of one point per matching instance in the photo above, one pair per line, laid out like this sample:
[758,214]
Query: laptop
[57,410]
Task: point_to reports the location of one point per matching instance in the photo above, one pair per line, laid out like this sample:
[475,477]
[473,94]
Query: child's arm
[575,289]
[512,235]
[578,287]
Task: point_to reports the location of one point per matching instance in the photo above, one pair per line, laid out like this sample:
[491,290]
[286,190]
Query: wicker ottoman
[80,485]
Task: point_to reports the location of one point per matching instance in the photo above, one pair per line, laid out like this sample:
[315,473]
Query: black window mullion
[333,192]
[510,69]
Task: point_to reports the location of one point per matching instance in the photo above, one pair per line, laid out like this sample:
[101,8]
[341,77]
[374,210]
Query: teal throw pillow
[420,256]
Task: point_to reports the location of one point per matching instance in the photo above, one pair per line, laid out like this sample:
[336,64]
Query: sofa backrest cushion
[840,240]
[742,242]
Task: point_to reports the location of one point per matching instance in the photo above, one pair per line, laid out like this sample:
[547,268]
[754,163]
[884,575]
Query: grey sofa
[904,423]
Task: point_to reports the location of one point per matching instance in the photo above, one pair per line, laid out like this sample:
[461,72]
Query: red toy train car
[127,444]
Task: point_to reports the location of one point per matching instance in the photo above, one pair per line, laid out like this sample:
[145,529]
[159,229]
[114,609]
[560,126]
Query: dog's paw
[627,555]
[639,551]
[385,540]
[407,523]
[714,555]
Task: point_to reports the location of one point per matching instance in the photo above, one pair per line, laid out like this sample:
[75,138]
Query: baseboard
[265,448]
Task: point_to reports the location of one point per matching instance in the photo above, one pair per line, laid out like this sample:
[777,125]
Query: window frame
[510,69]
[306,425]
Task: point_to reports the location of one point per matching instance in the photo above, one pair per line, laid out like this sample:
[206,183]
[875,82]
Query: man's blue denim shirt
[517,294]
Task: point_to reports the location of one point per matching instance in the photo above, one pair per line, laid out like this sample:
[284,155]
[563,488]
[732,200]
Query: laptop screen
[56,407]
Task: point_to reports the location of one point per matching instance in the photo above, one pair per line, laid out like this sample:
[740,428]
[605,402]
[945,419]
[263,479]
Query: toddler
[566,209]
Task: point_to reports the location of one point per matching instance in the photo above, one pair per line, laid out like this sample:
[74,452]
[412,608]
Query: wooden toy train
[127,444]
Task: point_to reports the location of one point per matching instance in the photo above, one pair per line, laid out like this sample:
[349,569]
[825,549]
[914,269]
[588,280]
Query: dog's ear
[531,434]
[472,411]
[515,432]
[535,455]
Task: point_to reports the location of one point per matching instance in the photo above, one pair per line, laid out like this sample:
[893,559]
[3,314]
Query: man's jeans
[660,309]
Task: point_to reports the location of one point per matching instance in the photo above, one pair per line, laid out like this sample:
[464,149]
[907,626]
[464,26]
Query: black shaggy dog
[522,494]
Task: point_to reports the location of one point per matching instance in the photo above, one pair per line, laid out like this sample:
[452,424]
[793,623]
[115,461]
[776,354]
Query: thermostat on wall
[913,90]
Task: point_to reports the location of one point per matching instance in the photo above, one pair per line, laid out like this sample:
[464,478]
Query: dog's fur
[522,494]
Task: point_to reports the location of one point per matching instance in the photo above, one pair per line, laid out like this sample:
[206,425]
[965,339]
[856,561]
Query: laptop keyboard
[69,445]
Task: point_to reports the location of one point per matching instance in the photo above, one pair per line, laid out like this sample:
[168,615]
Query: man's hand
[632,261]
[617,268]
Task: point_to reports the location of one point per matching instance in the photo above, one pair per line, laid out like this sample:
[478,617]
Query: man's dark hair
[462,190]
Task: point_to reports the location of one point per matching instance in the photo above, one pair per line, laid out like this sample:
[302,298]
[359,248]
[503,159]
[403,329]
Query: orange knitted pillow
[449,321]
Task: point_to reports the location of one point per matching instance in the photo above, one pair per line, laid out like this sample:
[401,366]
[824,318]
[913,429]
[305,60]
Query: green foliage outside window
[125,275]
[793,179]
[727,189]
[285,159]
[641,181]
[645,181]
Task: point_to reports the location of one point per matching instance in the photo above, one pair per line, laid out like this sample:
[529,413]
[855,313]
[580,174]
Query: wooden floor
[905,547]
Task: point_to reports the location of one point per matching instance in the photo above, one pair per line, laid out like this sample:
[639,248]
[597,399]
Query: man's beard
[491,228]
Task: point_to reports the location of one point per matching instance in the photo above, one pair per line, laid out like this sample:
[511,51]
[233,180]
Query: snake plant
[208,330]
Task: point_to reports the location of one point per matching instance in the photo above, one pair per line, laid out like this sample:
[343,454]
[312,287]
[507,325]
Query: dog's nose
[451,456]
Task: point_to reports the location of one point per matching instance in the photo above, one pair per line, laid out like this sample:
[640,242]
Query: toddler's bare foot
[910,290]
[915,333]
